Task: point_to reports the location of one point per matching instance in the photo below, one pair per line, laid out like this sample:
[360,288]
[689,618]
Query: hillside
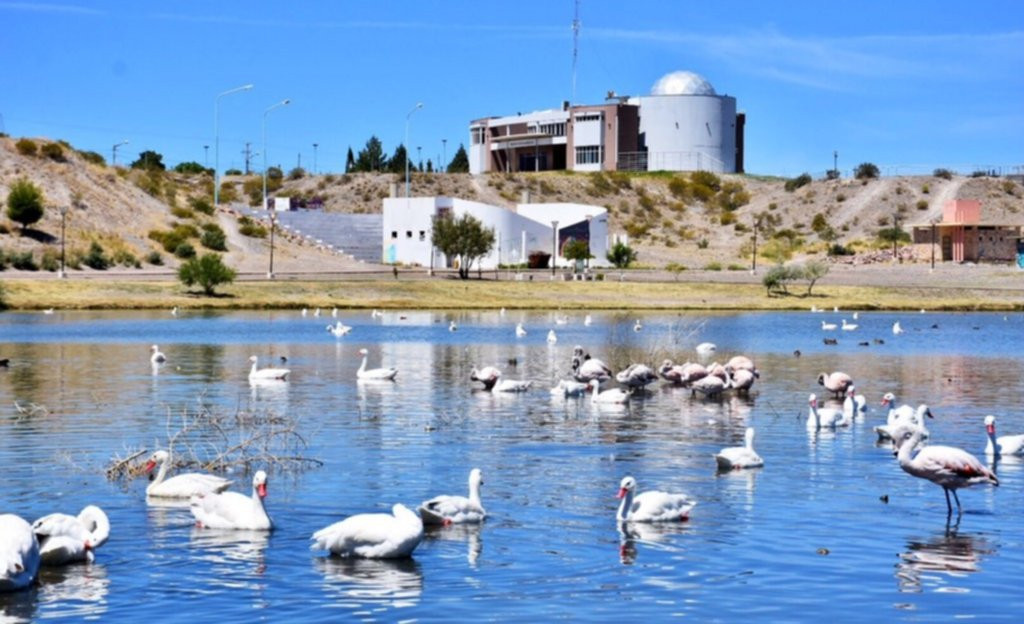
[689,219]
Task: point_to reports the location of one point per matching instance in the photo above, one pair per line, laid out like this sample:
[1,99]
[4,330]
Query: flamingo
[742,362]
[947,466]
[1003,445]
[651,506]
[612,396]
[266,374]
[374,373]
[520,331]
[822,418]
[231,510]
[65,539]
[339,329]
[488,376]
[373,536]
[180,486]
[738,457]
[552,338]
[586,368]
[710,386]
[706,349]
[896,329]
[157,357]
[446,510]
[637,376]
[570,388]
[849,326]
[682,374]
[740,380]
[836,383]
[19,553]
[828,326]
[717,370]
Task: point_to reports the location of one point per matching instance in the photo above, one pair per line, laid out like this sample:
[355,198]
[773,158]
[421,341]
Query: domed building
[683,125]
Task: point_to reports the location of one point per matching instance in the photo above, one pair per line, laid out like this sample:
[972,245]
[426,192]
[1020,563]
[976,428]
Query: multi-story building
[683,125]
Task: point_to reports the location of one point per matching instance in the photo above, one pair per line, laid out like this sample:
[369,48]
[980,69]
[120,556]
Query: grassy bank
[474,294]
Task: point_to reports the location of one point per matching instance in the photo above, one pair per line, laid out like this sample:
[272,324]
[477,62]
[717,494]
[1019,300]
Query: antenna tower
[575,47]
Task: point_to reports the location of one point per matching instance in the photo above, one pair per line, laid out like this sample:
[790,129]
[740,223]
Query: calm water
[806,536]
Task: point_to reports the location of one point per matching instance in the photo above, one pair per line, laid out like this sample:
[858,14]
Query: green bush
[183,213]
[702,243]
[836,249]
[793,184]
[201,204]
[92,157]
[24,203]
[185,251]
[53,151]
[208,271]
[926,189]
[866,170]
[713,266]
[778,277]
[189,168]
[841,197]
[155,258]
[23,261]
[214,238]
[233,172]
[4,260]
[945,174]
[251,229]
[736,267]
[727,218]
[95,258]
[297,173]
[675,269]
[126,258]
[50,260]
[26,147]
[922,204]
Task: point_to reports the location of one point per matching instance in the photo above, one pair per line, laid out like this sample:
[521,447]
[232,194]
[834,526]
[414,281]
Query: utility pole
[315,145]
[300,161]
[206,156]
[247,154]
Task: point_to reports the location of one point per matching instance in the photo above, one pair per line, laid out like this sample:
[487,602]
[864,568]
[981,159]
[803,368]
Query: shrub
[184,251]
[24,203]
[835,249]
[214,238]
[209,271]
[621,255]
[4,260]
[297,173]
[702,243]
[819,222]
[228,192]
[832,174]
[189,167]
[731,196]
[23,261]
[50,260]
[675,269]
[251,229]
[713,266]
[183,213]
[922,204]
[233,172]
[92,157]
[26,147]
[841,197]
[945,174]
[706,179]
[778,277]
[865,171]
[793,184]
[95,258]
[727,218]
[155,258]
[126,258]
[679,187]
[538,260]
[53,151]
[925,189]
[201,204]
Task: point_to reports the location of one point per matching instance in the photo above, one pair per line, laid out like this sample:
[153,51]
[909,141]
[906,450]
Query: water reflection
[935,562]
[78,590]
[649,534]
[226,549]
[356,582]
[470,533]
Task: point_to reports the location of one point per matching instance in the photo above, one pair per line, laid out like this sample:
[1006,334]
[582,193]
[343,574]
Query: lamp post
[895,235]
[113,152]
[206,156]
[554,246]
[216,140]
[284,102]
[444,155]
[418,106]
[315,145]
[753,266]
[933,244]
[63,221]
[419,158]
[273,224]
[835,162]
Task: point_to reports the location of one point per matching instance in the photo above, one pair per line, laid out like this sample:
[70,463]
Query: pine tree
[460,162]
[350,161]
[371,157]
[397,162]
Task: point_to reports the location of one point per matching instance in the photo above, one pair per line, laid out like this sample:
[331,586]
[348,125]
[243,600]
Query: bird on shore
[949,467]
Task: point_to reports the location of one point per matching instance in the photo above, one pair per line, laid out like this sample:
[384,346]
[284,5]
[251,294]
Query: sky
[909,86]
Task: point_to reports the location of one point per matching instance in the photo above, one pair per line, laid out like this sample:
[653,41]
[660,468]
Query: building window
[394,234]
[408,233]
[581,117]
[589,155]
[423,235]
[477,135]
[554,129]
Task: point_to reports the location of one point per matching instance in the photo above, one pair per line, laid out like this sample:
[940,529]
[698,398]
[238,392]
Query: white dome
[682,83]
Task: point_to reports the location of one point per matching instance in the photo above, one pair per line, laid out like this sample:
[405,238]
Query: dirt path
[949,191]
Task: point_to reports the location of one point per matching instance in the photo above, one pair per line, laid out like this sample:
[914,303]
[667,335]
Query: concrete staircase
[355,235]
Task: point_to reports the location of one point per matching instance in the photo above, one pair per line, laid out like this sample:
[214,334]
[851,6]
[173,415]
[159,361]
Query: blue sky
[907,85]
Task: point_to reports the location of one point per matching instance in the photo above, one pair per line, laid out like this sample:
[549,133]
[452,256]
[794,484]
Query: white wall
[568,214]
[689,132]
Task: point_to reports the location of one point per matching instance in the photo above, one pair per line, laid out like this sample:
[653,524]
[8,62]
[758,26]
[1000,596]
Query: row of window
[588,117]
[408,234]
[589,155]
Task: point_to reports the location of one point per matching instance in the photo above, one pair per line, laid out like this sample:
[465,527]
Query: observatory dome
[682,83]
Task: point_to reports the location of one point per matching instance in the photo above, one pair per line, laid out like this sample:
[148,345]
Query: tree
[149,160]
[621,255]
[24,203]
[464,238]
[397,162]
[866,171]
[350,161]
[460,162]
[371,157]
[430,166]
[208,271]
[577,250]
[812,271]
[189,167]
[675,269]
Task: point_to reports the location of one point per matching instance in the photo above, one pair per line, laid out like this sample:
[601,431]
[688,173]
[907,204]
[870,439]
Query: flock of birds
[59,539]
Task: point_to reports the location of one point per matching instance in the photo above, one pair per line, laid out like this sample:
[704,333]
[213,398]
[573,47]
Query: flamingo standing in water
[947,466]
[836,383]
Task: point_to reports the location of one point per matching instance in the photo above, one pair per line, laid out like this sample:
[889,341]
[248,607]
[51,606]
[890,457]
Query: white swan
[612,396]
[19,553]
[65,539]
[305,311]
[334,313]
[706,349]
[552,337]
[339,329]
[174,311]
[266,374]
[376,313]
[822,418]
[738,457]
[651,506]
[561,319]
[511,385]
[854,406]
[849,326]
[828,326]
[637,326]
[488,376]
[902,417]
[157,357]
[374,536]
[374,373]
[231,510]
[184,485]
[570,388]
[587,320]
[520,331]
[316,313]
[896,329]
[452,326]
[447,510]
[1003,445]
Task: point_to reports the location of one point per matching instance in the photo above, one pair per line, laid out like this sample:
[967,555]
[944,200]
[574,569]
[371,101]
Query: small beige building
[964,236]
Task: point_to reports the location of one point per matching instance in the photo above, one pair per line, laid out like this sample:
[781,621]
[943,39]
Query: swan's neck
[750,440]
[815,417]
[992,448]
[362,367]
[474,493]
[161,473]
[627,502]
[98,523]
[252,371]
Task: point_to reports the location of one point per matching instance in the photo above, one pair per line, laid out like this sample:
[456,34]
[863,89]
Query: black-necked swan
[64,538]
[157,357]
[184,485]
[19,553]
[651,506]
[1003,445]
[947,466]
[454,509]
[231,510]
[373,536]
[383,374]
[738,457]
[637,326]
[452,326]
[266,374]
[488,376]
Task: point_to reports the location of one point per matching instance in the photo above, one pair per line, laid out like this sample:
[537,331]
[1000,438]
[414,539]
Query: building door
[947,247]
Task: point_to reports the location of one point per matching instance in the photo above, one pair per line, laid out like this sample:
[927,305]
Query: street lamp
[206,156]
[418,106]
[419,159]
[554,246]
[444,155]
[113,155]
[216,140]
[273,223]
[835,162]
[63,221]
[895,237]
[753,266]
[315,145]
[284,102]
[933,244]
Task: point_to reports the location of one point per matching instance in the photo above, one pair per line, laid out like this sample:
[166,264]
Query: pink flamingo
[948,466]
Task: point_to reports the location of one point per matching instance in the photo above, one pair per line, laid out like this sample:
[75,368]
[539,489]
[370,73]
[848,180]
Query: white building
[407,224]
